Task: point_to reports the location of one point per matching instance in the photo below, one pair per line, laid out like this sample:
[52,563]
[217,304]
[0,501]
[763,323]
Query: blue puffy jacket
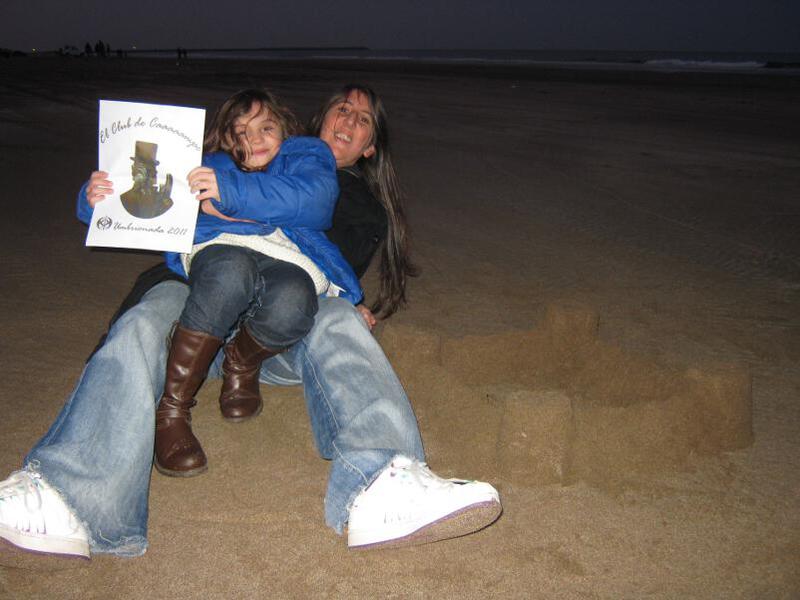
[297,193]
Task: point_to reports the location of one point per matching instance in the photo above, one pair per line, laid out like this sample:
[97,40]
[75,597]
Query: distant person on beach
[85,483]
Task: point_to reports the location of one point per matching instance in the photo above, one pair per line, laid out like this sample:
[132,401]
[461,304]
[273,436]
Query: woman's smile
[348,129]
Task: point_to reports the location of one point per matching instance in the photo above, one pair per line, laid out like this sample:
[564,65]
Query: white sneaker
[408,504]
[34,517]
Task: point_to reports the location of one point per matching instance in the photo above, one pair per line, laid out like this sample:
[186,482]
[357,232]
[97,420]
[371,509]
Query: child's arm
[203,184]
[300,190]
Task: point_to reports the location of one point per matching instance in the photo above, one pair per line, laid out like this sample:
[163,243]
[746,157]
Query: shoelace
[22,495]
[418,473]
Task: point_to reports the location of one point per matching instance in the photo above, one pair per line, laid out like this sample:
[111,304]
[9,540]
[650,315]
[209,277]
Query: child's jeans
[229,284]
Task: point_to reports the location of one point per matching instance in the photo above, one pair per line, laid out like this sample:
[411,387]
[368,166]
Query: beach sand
[605,327]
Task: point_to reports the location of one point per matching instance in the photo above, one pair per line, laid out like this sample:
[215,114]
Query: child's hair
[220,136]
[378,171]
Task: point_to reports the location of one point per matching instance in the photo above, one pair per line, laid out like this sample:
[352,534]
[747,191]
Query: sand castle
[557,405]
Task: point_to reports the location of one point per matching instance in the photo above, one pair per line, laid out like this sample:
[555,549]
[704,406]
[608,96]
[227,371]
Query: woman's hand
[99,187]
[203,183]
[369,318]
[208,207]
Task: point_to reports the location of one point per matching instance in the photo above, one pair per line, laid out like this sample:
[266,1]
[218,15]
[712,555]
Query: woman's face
[259,134]
[348,128]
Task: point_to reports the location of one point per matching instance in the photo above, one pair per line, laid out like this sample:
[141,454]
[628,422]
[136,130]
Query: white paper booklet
[147,150]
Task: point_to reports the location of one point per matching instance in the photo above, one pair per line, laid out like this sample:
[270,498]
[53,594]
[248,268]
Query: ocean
[786,63]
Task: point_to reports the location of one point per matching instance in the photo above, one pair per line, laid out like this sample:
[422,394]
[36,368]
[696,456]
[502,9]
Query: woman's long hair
[378,171]
[221,136]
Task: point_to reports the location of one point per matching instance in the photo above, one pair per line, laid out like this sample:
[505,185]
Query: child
[243,269]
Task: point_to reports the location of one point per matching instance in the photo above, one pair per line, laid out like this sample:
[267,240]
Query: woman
[370,433]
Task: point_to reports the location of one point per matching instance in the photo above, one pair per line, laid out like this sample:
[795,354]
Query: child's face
[348,129]
[259,135]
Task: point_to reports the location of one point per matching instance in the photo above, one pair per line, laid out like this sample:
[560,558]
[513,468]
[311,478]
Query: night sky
[694,25]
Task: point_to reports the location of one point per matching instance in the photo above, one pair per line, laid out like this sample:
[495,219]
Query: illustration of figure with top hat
[146,199]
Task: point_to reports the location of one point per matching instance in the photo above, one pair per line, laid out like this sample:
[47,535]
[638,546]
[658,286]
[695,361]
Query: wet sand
[606,328]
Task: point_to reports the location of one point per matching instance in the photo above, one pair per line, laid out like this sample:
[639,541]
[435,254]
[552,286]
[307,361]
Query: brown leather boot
[177,451]
[240,398]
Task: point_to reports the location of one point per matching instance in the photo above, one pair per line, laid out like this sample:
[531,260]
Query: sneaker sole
[457,524]
[35,559]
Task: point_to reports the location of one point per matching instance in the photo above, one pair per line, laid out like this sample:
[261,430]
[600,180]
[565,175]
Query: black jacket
[359,221]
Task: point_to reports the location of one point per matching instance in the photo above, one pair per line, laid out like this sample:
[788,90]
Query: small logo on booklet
[104,223]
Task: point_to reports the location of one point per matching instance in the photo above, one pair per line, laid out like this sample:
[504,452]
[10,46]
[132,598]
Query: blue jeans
[98,453]
[275,298]
[360,415]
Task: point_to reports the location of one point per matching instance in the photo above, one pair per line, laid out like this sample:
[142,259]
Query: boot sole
[247,418]
[468,520]
[173,473]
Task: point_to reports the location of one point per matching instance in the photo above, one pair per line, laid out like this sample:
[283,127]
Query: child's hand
[366,313]
[99,187]
[203,183]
